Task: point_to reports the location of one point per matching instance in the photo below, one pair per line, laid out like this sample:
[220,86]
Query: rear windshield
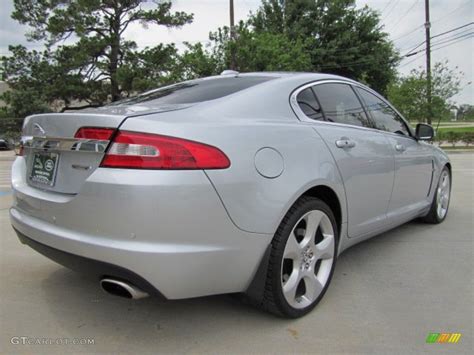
[196,90]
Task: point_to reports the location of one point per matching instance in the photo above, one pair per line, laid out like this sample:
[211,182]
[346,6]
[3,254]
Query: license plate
[44,168]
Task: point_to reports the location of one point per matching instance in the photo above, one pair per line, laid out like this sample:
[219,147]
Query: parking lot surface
[387,294]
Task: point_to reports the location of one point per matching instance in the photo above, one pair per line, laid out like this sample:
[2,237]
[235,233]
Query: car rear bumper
[168,228]
[91,267]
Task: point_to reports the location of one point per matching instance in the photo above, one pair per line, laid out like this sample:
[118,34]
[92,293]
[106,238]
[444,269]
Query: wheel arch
[448,165]
[329,197]
[326,192]
[255,292]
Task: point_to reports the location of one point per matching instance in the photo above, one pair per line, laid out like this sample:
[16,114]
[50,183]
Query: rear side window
[385,118]
[309,105]
[196,90]
[340,104]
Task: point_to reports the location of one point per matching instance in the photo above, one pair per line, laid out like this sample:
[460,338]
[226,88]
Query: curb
[459,151]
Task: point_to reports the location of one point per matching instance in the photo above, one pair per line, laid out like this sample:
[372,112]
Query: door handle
[399,148]
[345,143]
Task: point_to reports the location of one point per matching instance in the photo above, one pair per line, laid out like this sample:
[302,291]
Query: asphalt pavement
[386,296]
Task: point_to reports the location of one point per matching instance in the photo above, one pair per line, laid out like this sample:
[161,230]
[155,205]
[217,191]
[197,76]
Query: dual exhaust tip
[122,289]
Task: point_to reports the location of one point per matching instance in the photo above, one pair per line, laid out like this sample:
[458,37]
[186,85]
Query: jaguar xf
[250,183]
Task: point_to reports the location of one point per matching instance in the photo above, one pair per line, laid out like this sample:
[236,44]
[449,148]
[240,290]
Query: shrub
[468,138]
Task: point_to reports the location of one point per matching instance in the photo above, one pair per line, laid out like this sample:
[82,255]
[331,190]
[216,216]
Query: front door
[413,159]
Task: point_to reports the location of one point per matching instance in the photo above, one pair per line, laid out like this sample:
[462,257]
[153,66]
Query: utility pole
[233,64]
[428,61]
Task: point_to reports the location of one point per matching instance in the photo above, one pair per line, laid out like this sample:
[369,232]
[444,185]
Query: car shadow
[75,298]
[78,304]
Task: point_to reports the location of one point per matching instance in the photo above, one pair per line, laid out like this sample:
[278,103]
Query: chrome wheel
[443,194]
[308,259]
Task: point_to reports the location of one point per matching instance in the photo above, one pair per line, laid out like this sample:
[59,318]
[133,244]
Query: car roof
[290,74]
[292,78]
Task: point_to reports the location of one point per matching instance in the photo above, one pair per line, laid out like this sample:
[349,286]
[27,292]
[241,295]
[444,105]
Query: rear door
[362,154]
[413,159]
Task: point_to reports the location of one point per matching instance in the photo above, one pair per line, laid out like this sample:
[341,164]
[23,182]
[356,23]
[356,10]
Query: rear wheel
[302,259]
[440,204]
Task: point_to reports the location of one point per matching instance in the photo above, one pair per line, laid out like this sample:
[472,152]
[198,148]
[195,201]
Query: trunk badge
[81,167]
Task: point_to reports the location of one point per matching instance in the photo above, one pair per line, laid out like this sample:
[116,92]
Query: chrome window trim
[380,97]
[302,117]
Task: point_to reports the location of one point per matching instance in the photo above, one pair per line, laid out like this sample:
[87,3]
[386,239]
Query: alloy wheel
[308,259]
[443,194]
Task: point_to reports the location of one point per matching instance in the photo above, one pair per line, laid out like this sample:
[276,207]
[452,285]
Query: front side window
[340,104]
[385,118]
[309,105]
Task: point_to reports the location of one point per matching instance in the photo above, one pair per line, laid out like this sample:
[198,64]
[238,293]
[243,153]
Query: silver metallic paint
[210,229]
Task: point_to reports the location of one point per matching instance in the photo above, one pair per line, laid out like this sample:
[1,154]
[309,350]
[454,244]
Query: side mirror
[424,132]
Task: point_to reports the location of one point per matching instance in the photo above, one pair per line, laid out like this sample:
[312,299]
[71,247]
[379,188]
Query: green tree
[259,51]
[465,112]
[100,60]
[408,93]
[338,37]
[147,69]
[196,62]
[39,80]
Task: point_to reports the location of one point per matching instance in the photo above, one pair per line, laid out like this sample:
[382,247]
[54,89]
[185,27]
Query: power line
[385,8]
[458,33]
[369,61]
[454,29]
[452,12]
[438,19]
[390,11]
[406,13]
[411,50]
[408,33]
[442,34]
[411,61]
[450,44]
[453,39]
[456,36]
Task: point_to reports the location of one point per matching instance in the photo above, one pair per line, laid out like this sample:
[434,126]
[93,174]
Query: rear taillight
[151,151]
[98,133]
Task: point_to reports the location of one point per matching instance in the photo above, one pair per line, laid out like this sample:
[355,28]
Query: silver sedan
[240,183]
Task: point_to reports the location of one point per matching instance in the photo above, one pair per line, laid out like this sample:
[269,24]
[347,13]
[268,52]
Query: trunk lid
[58,162]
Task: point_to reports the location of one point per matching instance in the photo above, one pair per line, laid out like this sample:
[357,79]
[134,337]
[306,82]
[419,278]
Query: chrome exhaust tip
[122,289]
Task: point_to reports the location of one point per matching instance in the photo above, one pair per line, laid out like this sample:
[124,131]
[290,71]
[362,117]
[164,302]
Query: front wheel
[440,204]
[302,259]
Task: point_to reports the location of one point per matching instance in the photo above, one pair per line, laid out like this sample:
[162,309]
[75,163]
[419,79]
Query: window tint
[196,90]
[340,104]
[385,118]
[309,105]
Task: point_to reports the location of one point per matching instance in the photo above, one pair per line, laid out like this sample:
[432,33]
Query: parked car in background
[241,183]
[4,145]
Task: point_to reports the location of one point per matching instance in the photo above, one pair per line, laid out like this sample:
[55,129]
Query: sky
[402,19]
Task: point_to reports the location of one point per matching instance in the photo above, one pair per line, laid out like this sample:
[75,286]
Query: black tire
[273,299]
[432,217]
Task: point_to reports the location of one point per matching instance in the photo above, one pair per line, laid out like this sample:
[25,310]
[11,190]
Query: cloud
[403,20]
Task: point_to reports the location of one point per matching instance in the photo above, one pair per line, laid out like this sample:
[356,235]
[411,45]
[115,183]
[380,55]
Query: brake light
[152,151]
[99,133]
